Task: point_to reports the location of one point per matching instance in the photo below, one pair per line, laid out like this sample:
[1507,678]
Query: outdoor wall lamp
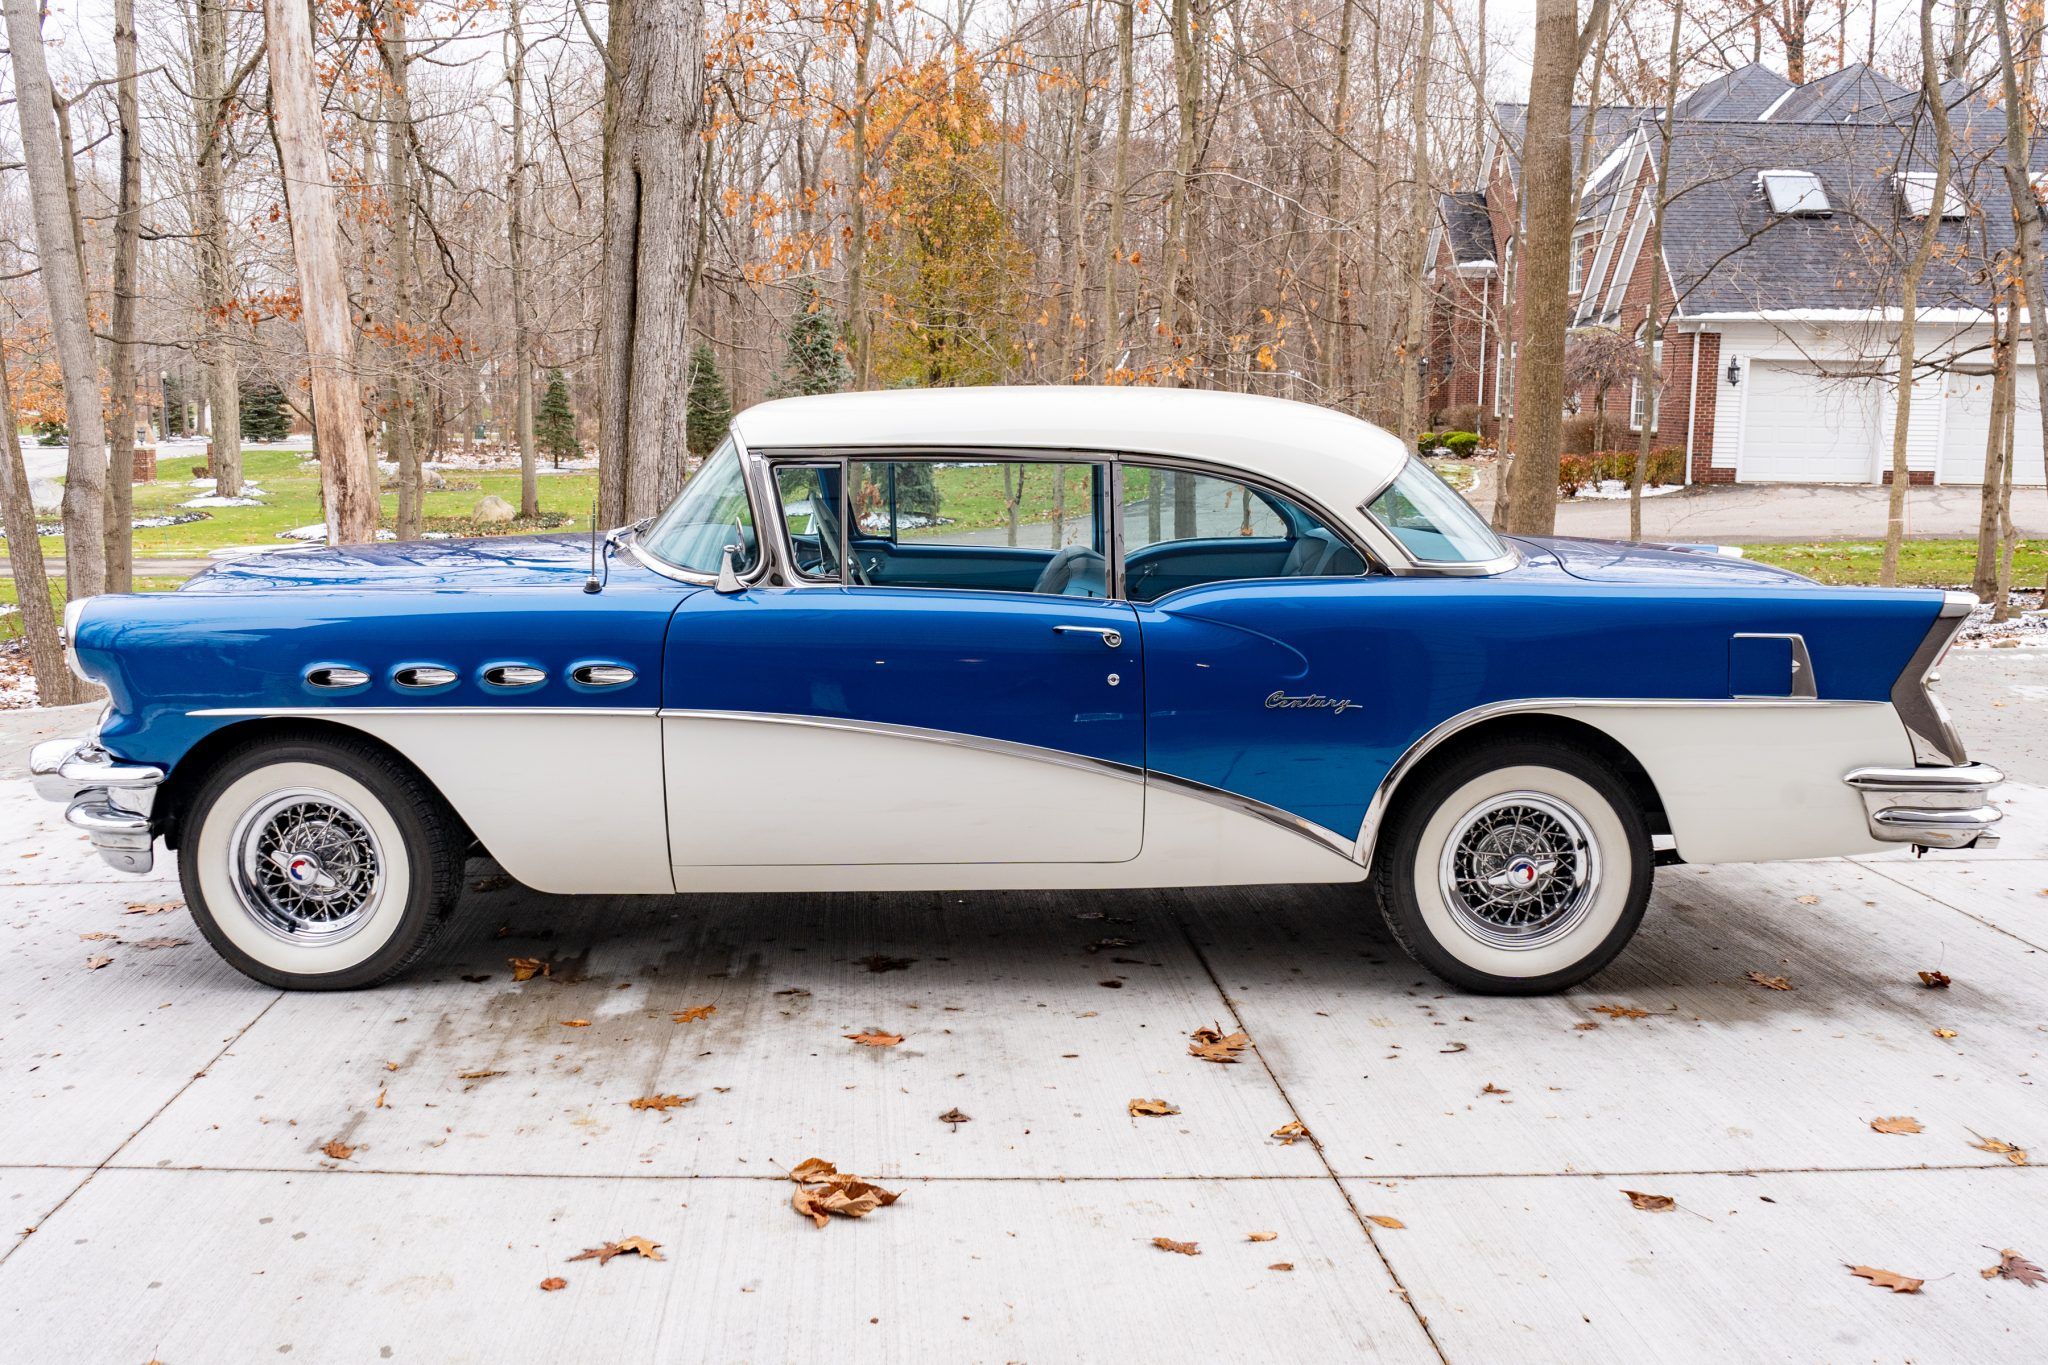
[1734,370]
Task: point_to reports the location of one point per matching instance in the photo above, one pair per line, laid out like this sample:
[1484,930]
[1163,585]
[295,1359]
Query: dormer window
[1795,194]
[1917,189]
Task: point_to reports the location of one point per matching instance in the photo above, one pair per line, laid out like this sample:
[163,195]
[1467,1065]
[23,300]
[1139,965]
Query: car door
[844,720]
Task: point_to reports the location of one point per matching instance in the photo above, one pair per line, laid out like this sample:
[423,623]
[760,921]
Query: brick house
[1793,210]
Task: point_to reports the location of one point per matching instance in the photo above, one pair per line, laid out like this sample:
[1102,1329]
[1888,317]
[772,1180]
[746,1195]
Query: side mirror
[728,576]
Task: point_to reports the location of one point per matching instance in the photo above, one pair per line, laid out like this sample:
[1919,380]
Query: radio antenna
[593,583]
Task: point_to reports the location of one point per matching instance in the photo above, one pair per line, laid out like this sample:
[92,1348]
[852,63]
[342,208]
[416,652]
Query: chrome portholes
[335,677]
[514,675]
[422,677]
[306,866]
[1519,870]
[602,675]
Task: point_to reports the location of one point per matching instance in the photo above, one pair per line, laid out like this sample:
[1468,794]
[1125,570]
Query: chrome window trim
[1805,687]
[1510,557]
[750,476]
[786,543]
[1934,737]
[1376,809]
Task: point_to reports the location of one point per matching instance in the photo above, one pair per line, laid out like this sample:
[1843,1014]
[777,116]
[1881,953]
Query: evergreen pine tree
[554,426]
[811,359]
[709,410]
[263,413]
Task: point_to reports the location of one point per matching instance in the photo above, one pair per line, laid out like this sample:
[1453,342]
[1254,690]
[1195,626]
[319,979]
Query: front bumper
[108,799]
[1933,807]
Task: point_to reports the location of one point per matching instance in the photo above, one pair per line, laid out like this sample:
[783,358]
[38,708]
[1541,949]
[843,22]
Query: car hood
[482,562]
[1615,561]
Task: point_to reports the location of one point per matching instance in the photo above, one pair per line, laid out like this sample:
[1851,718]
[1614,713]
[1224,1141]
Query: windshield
[1431,521]
[711,513]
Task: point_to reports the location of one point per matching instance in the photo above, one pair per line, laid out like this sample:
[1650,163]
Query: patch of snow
[317,534]
[17,681]
[1608,489]
[2026,626]
[210,500]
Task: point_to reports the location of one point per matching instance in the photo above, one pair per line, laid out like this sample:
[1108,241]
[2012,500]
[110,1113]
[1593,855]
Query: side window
[809,495]
[998,525]
[1182,528]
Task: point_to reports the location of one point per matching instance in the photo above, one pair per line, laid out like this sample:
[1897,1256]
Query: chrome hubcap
[1519,870]
[307,866]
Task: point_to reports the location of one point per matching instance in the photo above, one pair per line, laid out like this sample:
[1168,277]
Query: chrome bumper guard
[1935,807]
[108,799]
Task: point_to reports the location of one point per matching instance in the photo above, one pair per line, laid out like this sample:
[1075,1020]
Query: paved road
[1464,1198]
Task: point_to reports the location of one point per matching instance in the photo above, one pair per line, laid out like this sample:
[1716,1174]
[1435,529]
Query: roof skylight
[1795,194]
[1917,188]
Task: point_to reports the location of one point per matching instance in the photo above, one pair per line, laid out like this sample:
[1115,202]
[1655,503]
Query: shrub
[1426,443]
[1578,472]
[1461,444]
[50,433]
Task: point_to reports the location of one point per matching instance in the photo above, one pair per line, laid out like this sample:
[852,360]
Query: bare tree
[515,243]
[122,376]
[210,98]
[55,684]
[1413,333]
[1652,376]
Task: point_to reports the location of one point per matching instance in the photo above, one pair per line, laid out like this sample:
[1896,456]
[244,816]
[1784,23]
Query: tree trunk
[515,240]
[1336,335]
[1548,200]
[1113,238]
[1414,334]
[1073,327]
[348,480]
[400,415]
[63,276]
[1991,512]
[122,377]
[55,684]
[1190,40]
[216,262]
[2026,207]
[1651,376]
[652,150]
[1909,299]
[857,330]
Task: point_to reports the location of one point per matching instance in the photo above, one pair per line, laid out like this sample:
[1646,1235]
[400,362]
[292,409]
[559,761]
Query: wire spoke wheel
[1519,870]
[307,866]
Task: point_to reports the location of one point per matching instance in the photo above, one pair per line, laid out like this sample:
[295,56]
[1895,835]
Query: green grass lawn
[10,622]
[1922,563]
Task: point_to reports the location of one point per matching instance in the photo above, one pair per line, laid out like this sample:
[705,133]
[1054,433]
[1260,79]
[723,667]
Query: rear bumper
[108,799]
[1932,807]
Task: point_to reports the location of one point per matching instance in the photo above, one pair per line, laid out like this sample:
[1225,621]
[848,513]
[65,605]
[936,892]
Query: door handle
[1113,638]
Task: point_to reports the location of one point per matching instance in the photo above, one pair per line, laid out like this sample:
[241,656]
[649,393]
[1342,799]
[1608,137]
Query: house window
[1642,407]
[1795,194]
[1917,189]
[1578,275]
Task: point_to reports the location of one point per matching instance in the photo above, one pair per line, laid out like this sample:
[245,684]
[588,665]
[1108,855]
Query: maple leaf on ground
[1291,1132]
[1888,1279]
[1934,981]
[823,1189]
[954,1117]
[1650,1203]
[1152,1109]
[153,907]
[148,943]
[1261,1236]
[1214,1045]
[552,1283]
[692,1013]
[660,1102]
[2013,1266]
[1807,900]
[95,936]
[97,961]
[1184,1248]
[1943,1032]
[876,1038]
[527,968]
[625,1246]
[1997,1147]
[1621,1011]
[1898,1124]
[1491,1089]
[1770,983]
[338,1149]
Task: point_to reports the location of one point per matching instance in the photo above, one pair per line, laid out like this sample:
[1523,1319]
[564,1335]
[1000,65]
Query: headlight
[74,611]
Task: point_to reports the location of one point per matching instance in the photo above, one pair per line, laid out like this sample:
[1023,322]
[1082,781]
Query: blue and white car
[994,638]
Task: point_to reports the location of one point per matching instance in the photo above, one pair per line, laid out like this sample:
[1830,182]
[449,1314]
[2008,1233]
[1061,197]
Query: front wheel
[1516,869]
[318,864]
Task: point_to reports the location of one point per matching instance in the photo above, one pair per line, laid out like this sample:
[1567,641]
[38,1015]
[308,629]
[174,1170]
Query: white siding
[1969,418]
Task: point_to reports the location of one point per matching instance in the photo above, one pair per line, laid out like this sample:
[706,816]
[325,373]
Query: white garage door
[1803,426]
[1969,419]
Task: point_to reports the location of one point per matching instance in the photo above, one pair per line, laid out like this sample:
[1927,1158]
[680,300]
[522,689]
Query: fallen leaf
[1808,900]
[1934,981]
[338,1149]
[1152,1109]
[1213,1045]
[878,962]
[94,936]
[876,1038]
[2013,1266]
[1651,1203]
[496,881]
[954,1117]
[1888,1279]
[1290,1133]
[1102,943]
[1586,1025]
[160,943]
[97,961]
[660,1103]
[693,1013]
[625,1246]
[1621,1011]
[380,1099]
[1281,1265]
[1261,1236]
[1184,1248]
[477,1075]
[1383,1220]
[2016,1155]
[1943,1032]
[825,1190]
[552,1283]
[527,968]
[1491,1089]
[1901,1124]
[1454,1049]
[575,1023]
[153,907]
[1770,983]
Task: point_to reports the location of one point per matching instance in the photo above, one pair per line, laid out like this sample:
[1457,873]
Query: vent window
[1795,194]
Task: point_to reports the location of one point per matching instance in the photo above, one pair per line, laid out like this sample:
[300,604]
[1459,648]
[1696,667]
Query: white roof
[1332,459]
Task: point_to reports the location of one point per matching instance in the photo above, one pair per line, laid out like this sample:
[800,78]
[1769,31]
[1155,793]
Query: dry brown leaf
[625,1246]
[552,1283]
[1770,983]
[94,937]
[1261,1236]
[1651,1203]
[1213,1045]
[1807,900]
[1943,1032]
[1152,1109]
[660,1103]
[1586,1025]
[1281,1265]
[693,1013]
[1997,1147]
[338,1149]
[147,943]
[1491,1089]
[527,968]
[380,1099]
[876,1038]
[97,961]
[1184,1248]
[825,1190]
[575,1023]
[1900,1124]
[153,907]
[1621,1011]
[1290,1132]
[2013,1266]
[1934,981]
[1888,1279]
[474,1075]
[1384,1220]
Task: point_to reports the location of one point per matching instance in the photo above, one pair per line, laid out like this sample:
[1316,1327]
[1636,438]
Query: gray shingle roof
[1467,228]
[1855,94]
[1743,93]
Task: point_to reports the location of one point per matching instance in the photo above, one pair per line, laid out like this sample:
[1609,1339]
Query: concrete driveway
[1794,513]
[167,1194]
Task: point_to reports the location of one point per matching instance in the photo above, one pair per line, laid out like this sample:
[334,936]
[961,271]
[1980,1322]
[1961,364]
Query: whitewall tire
[318,864]
[1515,869]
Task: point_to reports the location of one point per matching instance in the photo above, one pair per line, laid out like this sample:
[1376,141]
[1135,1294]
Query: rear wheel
[319,864]
[1517,869]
